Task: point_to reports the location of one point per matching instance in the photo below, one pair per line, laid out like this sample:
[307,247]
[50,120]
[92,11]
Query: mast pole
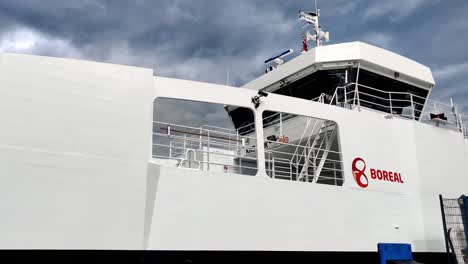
[317,26]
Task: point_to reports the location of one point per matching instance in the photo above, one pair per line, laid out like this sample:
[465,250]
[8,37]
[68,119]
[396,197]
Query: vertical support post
[460,116]
[444,226]
[201,138]
[170,148]
[273,168]
[270,164]
[412,107]
[423,110]
[356,89]
[290,171]
[261,159]
[358,99]
[240,164]
[208,151]
[391,105]
[345,95]
[334,173]
[457,119]
[463,203]
[281,124]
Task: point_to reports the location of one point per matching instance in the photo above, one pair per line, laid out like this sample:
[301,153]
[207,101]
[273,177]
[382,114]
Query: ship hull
[205,257]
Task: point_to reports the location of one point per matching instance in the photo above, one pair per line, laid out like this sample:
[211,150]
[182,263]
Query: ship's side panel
[74,143]
[443,169]
[196,211]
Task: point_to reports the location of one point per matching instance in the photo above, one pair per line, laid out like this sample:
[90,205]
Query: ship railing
[299,165]
[464,124]
[399,104]
[303,136]
[220,129]
[204,149]
[320,99]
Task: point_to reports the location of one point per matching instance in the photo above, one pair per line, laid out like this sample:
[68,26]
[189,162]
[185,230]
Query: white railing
[304,133]
[220,129]
[303,164]
[320,98]
[464,124]
[204,149]
[399,104]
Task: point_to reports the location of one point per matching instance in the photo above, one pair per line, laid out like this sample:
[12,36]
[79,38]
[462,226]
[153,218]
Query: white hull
[76,171]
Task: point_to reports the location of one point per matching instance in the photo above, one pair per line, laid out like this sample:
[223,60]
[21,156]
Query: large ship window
[389,95]
[201,136]
[301,148]
[313,85]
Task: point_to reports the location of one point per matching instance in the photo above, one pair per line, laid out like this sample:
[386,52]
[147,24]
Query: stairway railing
[306,149]
[323,136]
[329,140]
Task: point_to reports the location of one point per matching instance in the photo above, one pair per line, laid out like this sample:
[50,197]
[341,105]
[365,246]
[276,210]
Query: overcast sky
[202,39]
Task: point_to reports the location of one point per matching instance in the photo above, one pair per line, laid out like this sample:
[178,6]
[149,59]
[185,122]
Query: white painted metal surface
[371,58]
[76,170]
[74,146]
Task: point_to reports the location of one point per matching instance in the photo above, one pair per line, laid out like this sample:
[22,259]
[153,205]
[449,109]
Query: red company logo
[359,173]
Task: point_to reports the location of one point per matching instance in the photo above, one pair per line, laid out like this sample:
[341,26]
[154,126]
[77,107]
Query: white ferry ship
[324,156]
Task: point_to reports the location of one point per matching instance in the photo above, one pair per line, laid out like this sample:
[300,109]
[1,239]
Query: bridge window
[389,95]
[322,81]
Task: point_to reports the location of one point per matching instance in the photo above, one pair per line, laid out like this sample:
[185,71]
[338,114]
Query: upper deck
[357,74]
[346,55]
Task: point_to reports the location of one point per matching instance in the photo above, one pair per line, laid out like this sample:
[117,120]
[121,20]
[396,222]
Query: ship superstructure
[334,151]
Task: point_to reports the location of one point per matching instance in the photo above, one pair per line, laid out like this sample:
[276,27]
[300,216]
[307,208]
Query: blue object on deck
[394,252]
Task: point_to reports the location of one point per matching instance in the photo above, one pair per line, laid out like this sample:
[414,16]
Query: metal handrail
[206,151]
[204,162]
[464,125]
[207,142]
[320,98]
[199,140]
[303,134]
[307,145]
[181,138]
[194,128]
[386,92]
[419,111]
[233,131]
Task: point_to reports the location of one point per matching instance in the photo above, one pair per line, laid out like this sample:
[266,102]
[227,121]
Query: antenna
[278,60]
[312,18]
[316,7]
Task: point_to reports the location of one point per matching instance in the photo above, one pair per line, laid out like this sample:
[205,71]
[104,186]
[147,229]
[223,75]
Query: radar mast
[313,19]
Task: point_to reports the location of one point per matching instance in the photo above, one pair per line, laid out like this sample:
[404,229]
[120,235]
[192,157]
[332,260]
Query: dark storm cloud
[203,39]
